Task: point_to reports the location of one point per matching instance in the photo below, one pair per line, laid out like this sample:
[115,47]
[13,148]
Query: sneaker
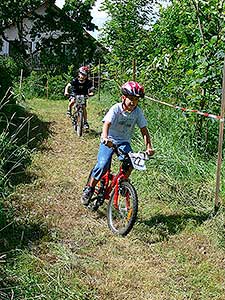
[68,113]
[88,192]
[86,125]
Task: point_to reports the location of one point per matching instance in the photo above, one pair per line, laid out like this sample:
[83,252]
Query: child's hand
[107,142]
[150,151]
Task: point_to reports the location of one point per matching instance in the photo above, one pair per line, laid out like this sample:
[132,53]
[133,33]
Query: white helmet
[84,70]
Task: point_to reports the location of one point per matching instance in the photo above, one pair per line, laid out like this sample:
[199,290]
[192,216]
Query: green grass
[176,250]
[48,274]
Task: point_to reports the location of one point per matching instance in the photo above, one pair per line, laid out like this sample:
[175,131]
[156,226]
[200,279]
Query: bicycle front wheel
[122,215]
[80,123]
[74,122]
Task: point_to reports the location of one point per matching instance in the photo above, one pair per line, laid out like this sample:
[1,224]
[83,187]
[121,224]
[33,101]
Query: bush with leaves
[43,85]
[179,59]
[9,70]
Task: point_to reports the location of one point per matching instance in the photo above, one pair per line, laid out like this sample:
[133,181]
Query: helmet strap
[123,102]
[124,106]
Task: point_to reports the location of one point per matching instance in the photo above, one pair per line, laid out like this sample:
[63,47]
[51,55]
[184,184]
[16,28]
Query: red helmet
[84,70]
[132,88]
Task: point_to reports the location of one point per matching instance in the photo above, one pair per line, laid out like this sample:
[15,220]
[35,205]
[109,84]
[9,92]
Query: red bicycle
[123,200]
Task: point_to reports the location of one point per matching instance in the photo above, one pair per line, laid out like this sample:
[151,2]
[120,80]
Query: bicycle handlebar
[69,95]
[143,155]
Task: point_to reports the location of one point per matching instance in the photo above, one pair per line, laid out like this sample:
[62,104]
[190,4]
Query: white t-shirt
[123,122]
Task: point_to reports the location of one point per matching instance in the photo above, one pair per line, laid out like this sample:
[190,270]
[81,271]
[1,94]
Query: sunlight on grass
[176,248]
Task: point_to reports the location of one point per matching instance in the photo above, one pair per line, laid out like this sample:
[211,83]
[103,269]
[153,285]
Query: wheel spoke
[122,216]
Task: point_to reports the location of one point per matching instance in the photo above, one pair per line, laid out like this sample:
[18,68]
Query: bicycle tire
[80,123]
[121,220]
[74,122]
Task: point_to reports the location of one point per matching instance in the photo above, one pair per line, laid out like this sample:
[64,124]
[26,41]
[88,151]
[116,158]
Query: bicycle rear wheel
[121,219]
[80,123]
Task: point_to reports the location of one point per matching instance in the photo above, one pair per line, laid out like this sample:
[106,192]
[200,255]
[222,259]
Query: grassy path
[107,267]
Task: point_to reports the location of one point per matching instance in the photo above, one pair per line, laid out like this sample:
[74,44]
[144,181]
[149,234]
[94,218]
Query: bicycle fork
[118,192]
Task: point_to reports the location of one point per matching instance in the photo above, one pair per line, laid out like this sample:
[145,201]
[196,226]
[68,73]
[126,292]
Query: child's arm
[66,91]
[105,131]
[147,140]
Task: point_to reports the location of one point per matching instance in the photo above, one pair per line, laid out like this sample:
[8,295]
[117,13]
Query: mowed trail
[114,268]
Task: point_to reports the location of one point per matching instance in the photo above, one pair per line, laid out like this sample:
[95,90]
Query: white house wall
[11,33]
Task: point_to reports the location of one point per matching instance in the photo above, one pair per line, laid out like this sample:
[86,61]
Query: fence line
[188,110]
[217,201]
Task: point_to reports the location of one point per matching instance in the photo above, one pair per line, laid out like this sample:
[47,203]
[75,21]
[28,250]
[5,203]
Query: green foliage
[14,143]
[16,11]
[186,55]
[9,70]
[53,51]
[20,133]
[13,161]
[179,59]
[124,32]
[41,85]
[73,45]
[186,59]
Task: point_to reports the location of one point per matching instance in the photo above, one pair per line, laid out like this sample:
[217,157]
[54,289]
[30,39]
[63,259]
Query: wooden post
[47,88]
[134,69]
[220,143]
[99,79]
[21,79]
[93,80]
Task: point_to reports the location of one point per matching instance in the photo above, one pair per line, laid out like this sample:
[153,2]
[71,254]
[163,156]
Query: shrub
[8,70]
[42,85]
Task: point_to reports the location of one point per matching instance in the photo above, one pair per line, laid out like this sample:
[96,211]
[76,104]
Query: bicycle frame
[79,104]
[111,181]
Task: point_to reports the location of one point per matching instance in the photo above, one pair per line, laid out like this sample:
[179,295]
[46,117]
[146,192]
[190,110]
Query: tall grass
[14,150]
[51,277]
[181,178]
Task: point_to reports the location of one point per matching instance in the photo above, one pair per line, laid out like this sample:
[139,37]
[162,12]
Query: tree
[186,51]
[124,32]
[14,12]
[56,30]
[180,54]
[65,28]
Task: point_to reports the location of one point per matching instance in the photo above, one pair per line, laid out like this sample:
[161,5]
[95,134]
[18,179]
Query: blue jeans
[105,157]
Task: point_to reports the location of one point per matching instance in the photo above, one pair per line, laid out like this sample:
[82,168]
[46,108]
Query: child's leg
[126,147]
[103,163]
[104,159]
[71,103]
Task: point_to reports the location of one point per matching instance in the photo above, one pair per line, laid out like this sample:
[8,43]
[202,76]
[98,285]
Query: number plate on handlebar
[138,160]
[80,99]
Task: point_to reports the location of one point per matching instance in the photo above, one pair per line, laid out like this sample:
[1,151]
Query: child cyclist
[80,85]
[118,126]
